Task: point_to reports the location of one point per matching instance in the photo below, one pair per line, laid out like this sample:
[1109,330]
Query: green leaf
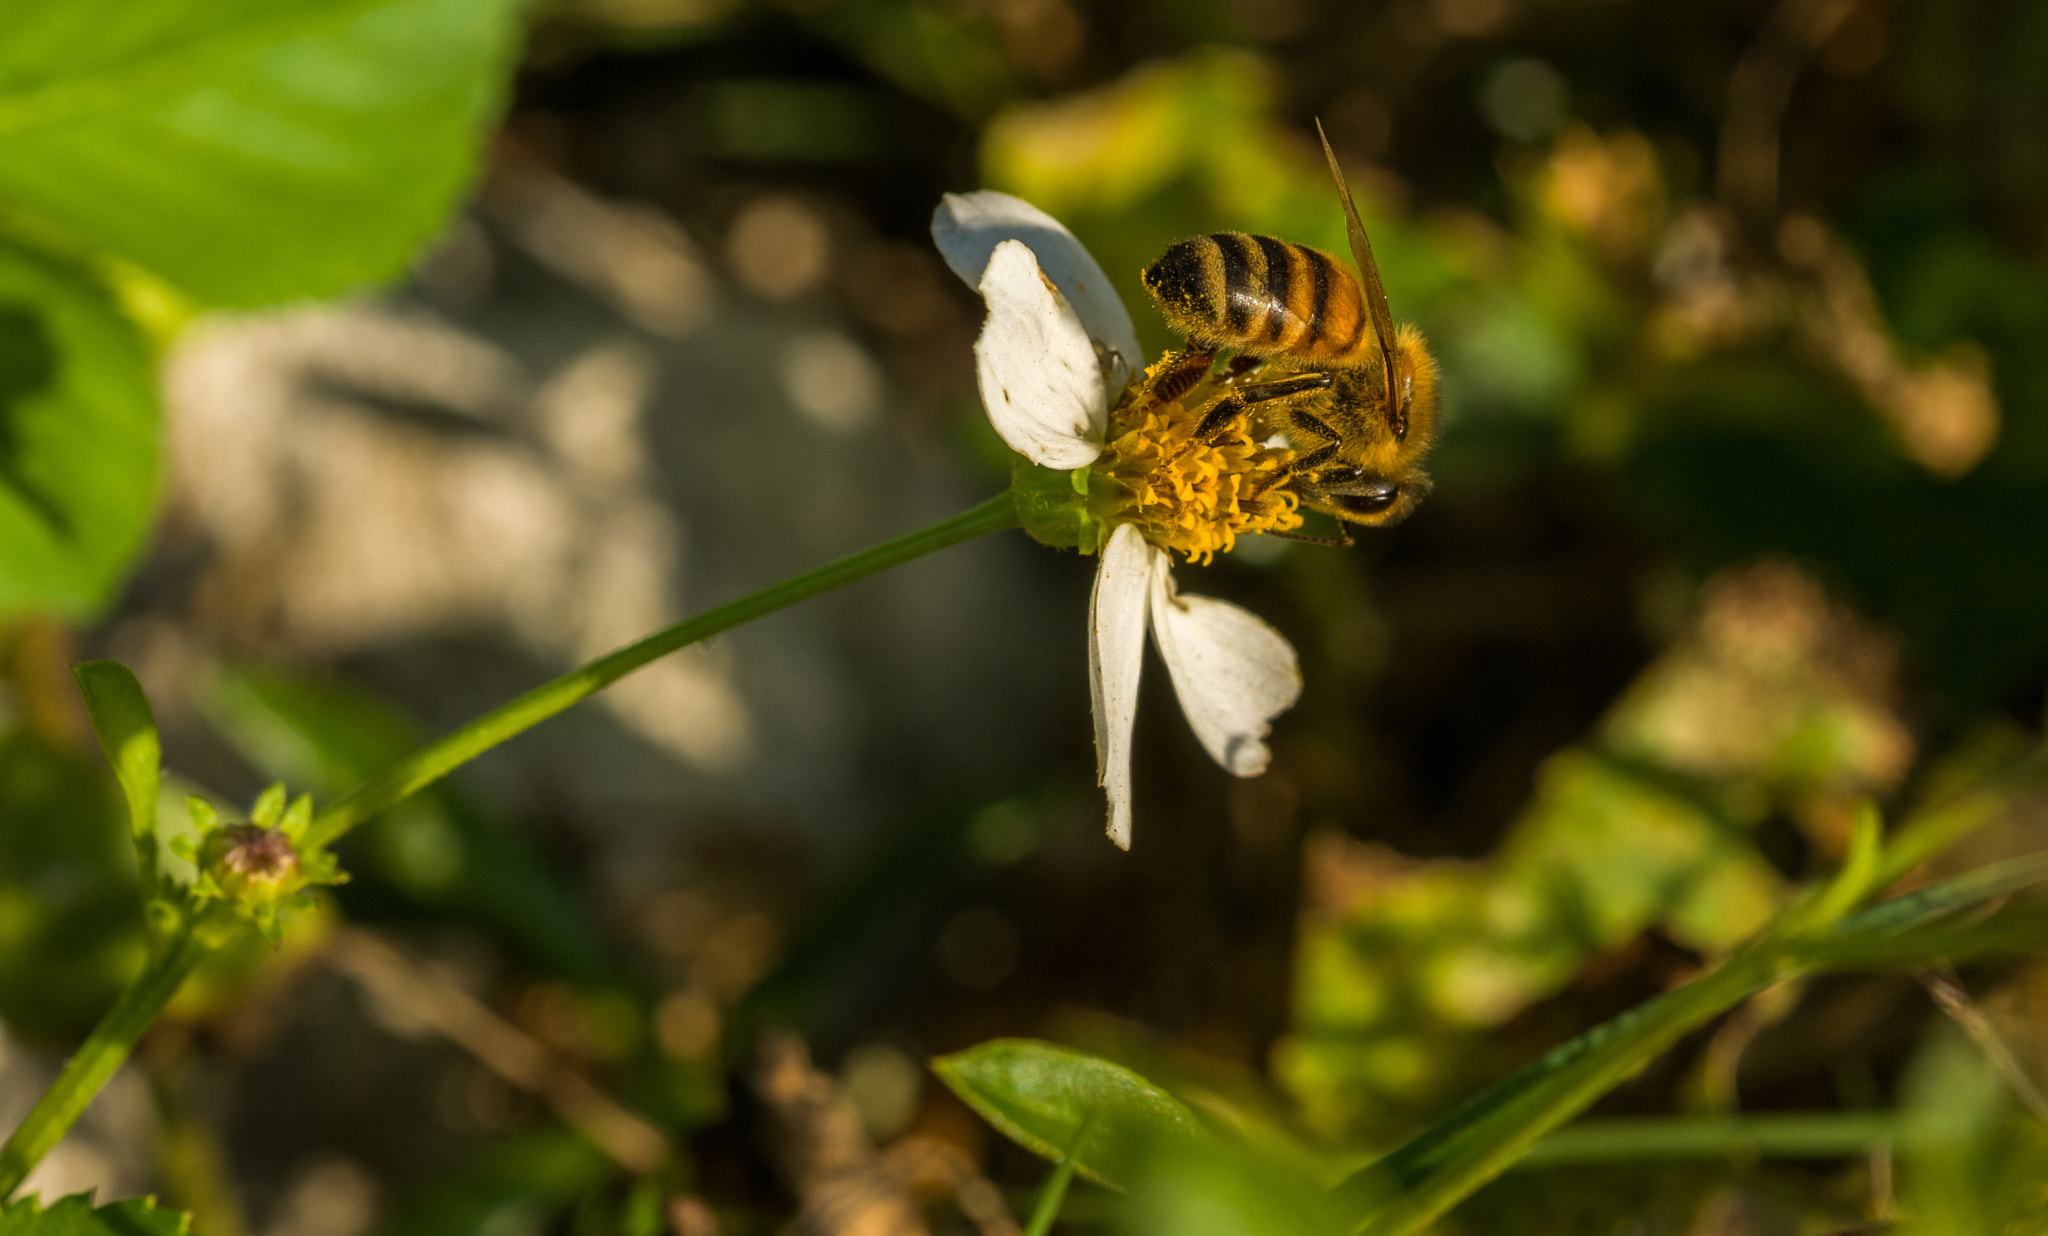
[249,150]
[1059,1103]
[77,1216]
[77,437]
[127,732]
[70,922]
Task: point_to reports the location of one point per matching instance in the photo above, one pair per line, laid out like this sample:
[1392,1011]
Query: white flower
[1057,349]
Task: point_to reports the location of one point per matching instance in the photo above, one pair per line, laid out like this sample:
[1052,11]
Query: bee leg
[1179,372]
[1260,392]
[1302,463]
[1241,364]
[1339,541]
[1306,463]
[1227,410]
[1309,425]
[1219,418]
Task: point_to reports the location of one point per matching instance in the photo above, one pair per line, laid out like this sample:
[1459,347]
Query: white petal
[1039,380]
[1116,652]
[967,227]
[1233,673]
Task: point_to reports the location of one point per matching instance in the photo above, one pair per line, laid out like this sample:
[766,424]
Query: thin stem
[102,1052]
[1050,1195]
[431,763]
[138,1005]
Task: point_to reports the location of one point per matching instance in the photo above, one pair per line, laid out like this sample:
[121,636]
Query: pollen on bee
[1190,494]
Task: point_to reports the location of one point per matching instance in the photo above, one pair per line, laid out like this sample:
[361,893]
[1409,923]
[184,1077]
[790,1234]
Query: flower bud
[251,863]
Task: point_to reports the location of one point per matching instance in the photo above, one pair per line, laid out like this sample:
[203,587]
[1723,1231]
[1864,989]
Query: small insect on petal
[967,227]
[1116,653]
[1039,379]
[1233,673]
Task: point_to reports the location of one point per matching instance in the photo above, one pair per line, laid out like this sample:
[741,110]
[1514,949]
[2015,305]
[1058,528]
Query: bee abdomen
[1263,296]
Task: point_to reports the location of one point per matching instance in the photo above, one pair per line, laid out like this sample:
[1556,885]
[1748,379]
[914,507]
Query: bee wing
[1369,270]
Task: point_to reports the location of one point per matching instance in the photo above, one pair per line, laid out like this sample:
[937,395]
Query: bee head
[1358,496]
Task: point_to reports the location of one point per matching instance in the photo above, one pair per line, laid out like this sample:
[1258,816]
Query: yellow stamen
[1189,495]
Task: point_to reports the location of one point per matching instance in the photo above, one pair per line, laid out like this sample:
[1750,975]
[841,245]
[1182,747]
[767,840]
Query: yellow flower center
[1186,494]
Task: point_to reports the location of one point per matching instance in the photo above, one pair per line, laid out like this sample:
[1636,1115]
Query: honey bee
[1317,359]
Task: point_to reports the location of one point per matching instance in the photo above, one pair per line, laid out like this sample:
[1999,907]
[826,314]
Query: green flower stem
[96,1059]
[1050,1196]
[431,763]
[115,1037]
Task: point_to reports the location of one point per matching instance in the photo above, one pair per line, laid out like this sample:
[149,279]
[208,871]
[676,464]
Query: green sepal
[1060,509]
[269,806]
[298,818]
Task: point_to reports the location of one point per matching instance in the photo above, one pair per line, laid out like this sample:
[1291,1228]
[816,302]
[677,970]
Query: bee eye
[1372,501]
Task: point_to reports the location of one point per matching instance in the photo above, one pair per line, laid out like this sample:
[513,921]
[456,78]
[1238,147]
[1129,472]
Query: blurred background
[1741,517]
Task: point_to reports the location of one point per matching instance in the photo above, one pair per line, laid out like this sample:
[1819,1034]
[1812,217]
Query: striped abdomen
[1264,296]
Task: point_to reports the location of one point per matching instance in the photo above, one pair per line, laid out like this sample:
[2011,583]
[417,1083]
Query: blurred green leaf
[1798,1135]
[1395,989]
[794,120]
[249,151]
[1203,1187]
[514,1185]
[934,53]
[77,1216]
[127,733]
[1976,1163]
[1059,1103]
[70,922]
[1612,851]
[77,437]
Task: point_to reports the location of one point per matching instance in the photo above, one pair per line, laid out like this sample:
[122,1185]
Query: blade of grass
[1924,905]
[1418,1182]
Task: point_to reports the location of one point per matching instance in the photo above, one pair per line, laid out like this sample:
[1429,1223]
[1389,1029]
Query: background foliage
[1738,525]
